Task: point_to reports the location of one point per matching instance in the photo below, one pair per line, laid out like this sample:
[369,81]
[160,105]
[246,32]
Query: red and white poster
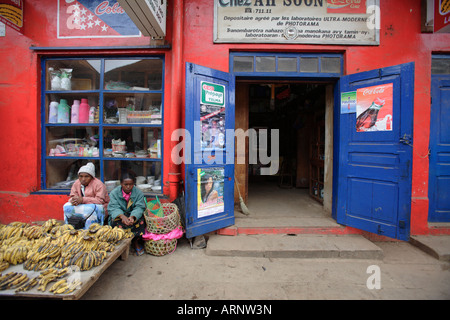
[374,108]
[442,16]
[94,19]
[346,6]
[11,14]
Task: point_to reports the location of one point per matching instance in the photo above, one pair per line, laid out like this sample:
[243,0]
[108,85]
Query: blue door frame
[371,170]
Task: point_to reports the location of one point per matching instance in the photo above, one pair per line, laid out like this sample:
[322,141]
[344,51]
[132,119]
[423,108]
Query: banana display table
[85,278]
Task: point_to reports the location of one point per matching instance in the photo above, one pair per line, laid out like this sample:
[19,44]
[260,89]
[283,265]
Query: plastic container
[83,116]
[53,112]
[63,111]
[75,111]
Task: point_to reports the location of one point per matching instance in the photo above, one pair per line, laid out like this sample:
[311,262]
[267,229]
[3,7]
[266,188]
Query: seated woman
[126,209]
[88,197]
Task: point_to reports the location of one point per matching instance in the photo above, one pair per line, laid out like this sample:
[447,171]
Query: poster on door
[210,191]
[212,116]
[374,108]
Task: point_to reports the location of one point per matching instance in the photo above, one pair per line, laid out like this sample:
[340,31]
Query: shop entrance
[300,115]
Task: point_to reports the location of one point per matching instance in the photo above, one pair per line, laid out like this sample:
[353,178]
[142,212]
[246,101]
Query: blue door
[439,175]
[209,150]
[375,151]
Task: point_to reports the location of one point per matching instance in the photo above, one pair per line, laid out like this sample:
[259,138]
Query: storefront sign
[374,108]
[442,16]
[11,14]
[349,22]
[94,19]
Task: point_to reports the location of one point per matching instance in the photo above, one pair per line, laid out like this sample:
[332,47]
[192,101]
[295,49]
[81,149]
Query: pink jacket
[94,192]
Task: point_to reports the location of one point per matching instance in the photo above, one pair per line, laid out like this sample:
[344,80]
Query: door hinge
[406,139]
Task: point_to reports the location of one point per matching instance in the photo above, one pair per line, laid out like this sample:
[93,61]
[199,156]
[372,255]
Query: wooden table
[87,278]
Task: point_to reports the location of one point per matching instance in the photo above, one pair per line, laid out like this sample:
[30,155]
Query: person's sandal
[139,251]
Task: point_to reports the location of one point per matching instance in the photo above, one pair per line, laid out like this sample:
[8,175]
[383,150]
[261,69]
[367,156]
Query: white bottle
[53,112]
[91,114]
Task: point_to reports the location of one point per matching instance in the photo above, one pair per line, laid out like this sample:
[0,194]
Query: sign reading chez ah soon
[347,22]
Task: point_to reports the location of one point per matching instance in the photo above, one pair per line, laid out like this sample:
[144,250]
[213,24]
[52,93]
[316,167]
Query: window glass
[106,111]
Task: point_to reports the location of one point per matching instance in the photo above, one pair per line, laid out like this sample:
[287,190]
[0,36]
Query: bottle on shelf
[83,115]
[63,111]
[53,112]
[75,111]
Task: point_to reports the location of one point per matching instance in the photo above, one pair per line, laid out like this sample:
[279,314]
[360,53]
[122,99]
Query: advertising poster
[210,191]
[94,19]
[374,108]
[212,116]
[442,16]
[11,14]
[348,102]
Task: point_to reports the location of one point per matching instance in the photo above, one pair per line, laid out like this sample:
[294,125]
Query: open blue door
[375,151]
[209,150]
[439,176]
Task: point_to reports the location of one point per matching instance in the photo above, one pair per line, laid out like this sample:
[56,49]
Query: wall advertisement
[346,22]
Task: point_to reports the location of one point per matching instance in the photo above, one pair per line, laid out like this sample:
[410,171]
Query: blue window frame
[120,128]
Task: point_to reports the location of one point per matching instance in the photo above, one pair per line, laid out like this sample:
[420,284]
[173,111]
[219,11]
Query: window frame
[101,126]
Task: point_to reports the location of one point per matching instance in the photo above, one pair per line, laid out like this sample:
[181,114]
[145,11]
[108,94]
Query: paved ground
[405,272]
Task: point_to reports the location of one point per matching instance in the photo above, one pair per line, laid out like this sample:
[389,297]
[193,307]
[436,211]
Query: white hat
[88,168]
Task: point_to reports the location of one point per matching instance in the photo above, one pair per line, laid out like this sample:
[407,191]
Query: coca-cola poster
[374,108]
[94,19]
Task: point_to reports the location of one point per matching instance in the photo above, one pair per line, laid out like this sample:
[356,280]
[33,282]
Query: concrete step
[437,246]
[294,246]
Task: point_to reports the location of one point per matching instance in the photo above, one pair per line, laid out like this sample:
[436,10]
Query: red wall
[20,132]
[401,41]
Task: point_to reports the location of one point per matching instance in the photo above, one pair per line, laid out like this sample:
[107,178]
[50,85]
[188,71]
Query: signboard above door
[351,22]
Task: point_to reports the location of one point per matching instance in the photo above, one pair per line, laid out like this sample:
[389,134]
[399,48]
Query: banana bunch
[63,287]
[33,232]
[88,242]
[15,254]
[10,231]
[86,260]
[3,264]
[61,229]
[13,280]
[45,256]
[48,276]
[48,225]
[109,234]
[105,246]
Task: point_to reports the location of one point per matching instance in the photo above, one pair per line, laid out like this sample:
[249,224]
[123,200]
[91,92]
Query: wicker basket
[161,225]
[160,247]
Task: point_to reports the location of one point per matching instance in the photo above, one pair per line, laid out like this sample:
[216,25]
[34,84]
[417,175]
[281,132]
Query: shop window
[243,64]
[105,111]
[440,65]
[309,65]
[265,64]
[330,65]
[287,64]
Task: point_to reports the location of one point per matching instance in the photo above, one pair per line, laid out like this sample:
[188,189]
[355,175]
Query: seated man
[88,197]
